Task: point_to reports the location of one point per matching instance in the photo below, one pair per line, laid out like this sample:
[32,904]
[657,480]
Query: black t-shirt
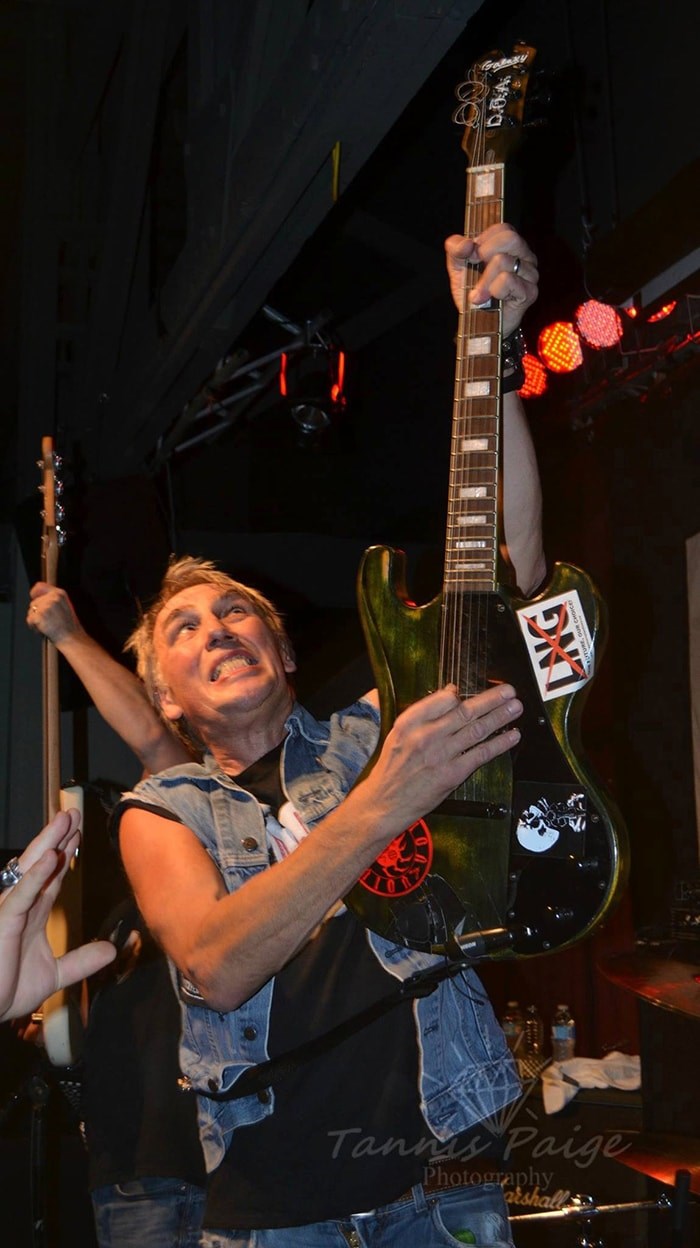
[137,1121]
[346,1132]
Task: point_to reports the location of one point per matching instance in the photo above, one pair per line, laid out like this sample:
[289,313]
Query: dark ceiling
[171,169]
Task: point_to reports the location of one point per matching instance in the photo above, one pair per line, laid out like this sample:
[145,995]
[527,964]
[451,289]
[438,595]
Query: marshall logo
[403,865]
[559,644]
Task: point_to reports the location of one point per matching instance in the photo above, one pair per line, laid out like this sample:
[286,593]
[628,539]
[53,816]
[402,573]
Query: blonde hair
[182,574]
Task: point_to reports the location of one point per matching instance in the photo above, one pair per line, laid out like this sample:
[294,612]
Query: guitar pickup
[472,810]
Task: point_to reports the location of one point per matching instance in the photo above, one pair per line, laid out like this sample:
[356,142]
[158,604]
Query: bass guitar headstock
[492,103]
[53,535]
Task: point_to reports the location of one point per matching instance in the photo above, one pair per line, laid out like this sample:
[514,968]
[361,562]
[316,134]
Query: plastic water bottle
[513,1022]
[563,1034]
[533,1032]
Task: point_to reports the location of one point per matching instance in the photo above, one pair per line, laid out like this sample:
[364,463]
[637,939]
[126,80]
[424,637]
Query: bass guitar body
[530,842]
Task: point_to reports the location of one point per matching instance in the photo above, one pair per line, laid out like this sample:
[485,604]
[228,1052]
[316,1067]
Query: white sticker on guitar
[559,644]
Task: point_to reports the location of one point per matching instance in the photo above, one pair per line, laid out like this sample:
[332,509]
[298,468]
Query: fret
[482,407]
[471,547]
[480,368]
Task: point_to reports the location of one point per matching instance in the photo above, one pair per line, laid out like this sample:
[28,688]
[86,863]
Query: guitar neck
[51,733]
[49,656]
[472,539]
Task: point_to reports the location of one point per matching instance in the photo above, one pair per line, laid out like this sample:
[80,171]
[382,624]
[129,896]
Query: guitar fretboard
[471,548]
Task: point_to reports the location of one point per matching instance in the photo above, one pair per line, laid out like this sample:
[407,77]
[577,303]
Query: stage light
[312,382]
[535,382]
[283,374]
[337,388]
[663,312]
[599,324]
[310,418]
[559,347]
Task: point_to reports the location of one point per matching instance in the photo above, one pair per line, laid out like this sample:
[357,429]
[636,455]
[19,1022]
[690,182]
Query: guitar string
[470,644]
[455,583]
[465,629]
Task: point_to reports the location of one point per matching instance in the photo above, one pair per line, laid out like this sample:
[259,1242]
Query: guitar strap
[267,1074]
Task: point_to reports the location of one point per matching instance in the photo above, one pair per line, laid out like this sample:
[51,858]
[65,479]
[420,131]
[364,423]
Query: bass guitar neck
[62,1013]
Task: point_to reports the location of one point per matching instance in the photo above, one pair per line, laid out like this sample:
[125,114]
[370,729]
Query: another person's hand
[51,613]
[509,271]
[29,972]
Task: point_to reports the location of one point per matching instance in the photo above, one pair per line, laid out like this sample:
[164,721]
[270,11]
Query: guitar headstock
[492,102]
[52,514]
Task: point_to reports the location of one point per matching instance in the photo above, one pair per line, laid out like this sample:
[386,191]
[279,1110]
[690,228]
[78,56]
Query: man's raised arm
[117,693]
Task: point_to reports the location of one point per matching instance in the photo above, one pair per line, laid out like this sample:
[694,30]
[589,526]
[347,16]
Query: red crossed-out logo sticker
[559,644]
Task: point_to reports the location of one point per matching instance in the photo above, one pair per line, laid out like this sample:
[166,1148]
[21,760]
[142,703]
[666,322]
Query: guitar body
[531,840]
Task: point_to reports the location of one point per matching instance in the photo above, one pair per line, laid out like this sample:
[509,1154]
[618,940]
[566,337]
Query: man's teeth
[231,665]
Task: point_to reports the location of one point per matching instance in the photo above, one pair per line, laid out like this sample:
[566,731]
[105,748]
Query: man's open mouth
[232,664]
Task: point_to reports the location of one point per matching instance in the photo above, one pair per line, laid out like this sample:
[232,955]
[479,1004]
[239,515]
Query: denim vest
[466,1072]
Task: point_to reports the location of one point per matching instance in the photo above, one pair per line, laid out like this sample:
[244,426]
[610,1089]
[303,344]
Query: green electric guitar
[530,843]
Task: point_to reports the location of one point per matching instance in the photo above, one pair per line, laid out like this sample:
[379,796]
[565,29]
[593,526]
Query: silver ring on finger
[11,874]
[516,265]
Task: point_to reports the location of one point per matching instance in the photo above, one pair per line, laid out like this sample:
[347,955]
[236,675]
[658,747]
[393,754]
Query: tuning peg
[60,512]
[57,460]
[61,535]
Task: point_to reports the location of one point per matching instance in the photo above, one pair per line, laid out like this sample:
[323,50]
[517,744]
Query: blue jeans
[158,1213]
[418,1220]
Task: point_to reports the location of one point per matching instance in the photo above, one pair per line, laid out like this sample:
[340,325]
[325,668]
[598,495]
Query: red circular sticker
[403,865]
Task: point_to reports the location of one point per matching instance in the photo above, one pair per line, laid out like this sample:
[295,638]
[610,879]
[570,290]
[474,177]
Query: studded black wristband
[512,352]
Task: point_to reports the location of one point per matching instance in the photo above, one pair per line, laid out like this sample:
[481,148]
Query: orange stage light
[535,382]
[663,312]
[559,347]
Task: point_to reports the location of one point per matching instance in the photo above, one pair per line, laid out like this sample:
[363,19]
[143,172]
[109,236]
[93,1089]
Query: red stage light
[535,382]
[663,312]
[283,374]
[559,347]
[599,324]
[337,389]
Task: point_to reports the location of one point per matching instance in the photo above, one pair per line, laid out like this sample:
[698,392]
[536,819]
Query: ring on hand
[516,264]
[11,874]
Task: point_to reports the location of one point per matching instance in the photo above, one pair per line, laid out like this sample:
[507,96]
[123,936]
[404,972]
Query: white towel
[562,1080]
